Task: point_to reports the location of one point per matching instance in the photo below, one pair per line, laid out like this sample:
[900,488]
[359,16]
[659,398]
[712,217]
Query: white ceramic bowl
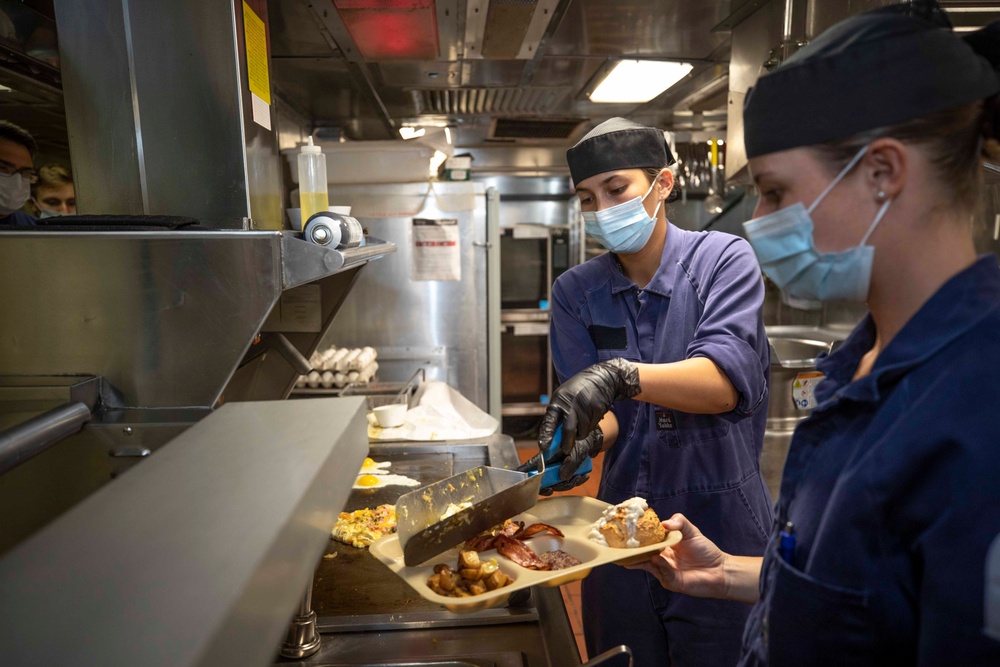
[390,416]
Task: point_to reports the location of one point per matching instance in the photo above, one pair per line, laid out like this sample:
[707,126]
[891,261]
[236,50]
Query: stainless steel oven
[532,256]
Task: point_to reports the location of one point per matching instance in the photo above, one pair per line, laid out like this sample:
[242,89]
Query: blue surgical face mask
[624,228]
[783,242]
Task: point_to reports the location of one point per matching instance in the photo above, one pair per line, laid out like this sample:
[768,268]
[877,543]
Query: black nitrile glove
[531,465]
[590,446]
[581,402]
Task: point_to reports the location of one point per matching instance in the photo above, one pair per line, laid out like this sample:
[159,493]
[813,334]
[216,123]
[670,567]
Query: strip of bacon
[536,528]
[519,552]
[480,543]
[511,528]
[484,541]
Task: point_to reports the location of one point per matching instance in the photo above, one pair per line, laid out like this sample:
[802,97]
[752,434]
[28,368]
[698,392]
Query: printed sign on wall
[437,253]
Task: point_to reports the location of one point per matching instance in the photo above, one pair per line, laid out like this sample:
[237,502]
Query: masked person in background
[17,174]
[53,193]
[866,146]
[664,364]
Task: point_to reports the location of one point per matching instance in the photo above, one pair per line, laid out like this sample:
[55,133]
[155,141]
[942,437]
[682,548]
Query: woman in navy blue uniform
[866,146]
[664,364]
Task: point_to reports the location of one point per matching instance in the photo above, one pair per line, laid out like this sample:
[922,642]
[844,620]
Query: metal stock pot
[794,350]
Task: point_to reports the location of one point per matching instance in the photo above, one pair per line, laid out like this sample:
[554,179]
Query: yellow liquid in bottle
[313,202]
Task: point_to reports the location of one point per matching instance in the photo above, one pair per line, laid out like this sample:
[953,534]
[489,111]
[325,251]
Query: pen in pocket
[786,542]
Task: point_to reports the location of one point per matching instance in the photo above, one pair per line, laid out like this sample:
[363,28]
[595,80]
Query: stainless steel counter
[196,557]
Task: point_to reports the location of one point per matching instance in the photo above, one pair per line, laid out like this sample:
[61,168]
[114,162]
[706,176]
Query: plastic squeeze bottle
[312,181]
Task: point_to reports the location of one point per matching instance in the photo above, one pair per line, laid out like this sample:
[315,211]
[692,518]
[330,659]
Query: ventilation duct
[533,128]
[523,100]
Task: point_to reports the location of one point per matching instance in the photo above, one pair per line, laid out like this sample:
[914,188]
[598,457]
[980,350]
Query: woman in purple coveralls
[663,360]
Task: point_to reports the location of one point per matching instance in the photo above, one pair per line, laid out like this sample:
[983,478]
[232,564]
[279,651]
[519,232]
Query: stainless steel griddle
[353,591]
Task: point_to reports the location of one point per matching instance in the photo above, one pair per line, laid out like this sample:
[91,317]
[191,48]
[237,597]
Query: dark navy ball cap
[869,71]
[618,143]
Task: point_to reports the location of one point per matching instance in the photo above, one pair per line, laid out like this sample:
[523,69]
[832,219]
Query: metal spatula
[495,494]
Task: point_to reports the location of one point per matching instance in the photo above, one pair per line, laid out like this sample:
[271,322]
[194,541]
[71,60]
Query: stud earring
[880,196]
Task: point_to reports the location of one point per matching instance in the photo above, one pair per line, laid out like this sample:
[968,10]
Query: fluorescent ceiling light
[637,81]
[411,132]
[436,161]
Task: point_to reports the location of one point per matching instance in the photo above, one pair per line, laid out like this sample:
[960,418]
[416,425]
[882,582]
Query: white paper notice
[261,111]
[437,253]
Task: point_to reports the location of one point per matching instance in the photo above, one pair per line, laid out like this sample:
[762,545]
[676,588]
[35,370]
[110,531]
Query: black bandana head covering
[869,71]
[618,144]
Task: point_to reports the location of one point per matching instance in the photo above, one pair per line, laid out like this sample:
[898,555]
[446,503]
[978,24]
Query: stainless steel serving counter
[198,556]
[368,615]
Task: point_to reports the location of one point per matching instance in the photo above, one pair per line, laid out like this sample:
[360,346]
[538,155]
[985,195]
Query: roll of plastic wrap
[334,230]
[321,230]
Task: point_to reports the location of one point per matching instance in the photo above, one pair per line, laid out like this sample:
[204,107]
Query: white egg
[378,481]
[370,467]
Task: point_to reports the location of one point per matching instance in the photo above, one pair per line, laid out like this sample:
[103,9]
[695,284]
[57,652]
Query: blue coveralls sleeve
[730,332]
[572,348]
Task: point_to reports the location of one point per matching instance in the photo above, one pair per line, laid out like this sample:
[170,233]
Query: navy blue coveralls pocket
[812,622]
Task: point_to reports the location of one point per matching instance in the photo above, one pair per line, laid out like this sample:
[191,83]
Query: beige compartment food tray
[573,515]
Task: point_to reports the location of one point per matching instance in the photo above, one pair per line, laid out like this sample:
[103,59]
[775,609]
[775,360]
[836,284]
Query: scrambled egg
[362,527]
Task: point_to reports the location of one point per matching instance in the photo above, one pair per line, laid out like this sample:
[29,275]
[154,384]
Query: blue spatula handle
[551,475]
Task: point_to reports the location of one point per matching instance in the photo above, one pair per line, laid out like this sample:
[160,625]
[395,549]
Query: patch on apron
[608,338]
[665,420]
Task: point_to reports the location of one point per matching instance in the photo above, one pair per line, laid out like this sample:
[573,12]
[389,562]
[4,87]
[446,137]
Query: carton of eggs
[337,367]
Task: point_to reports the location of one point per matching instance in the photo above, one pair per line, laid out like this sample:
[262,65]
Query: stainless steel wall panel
[269,376]
[420,320]
[162,123]
[164,317]
[48,485]
[98,95]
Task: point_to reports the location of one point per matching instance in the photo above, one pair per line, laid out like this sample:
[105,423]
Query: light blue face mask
[783,242]
[624,228]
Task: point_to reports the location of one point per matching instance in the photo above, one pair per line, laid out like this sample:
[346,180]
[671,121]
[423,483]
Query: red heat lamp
[391,29]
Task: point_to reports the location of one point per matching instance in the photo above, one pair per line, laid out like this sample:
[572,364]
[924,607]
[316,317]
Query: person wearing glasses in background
[53,194]
[17,174]
[664,365]
[867,147]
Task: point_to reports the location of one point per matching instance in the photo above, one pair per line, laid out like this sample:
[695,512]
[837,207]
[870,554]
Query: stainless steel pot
[794,350]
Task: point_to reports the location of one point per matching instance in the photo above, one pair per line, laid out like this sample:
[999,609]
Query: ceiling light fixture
[411,132]
[638,81]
